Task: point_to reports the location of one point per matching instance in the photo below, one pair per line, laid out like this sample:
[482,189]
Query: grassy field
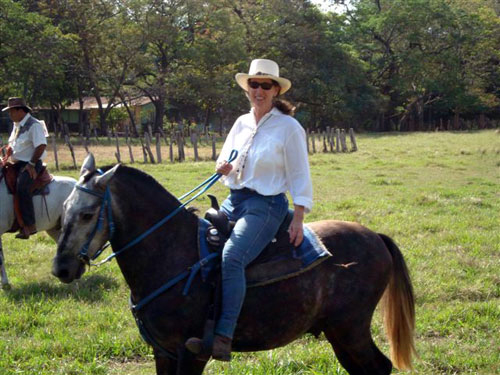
[436,194]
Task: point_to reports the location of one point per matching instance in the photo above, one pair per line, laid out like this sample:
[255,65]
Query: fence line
[331,140]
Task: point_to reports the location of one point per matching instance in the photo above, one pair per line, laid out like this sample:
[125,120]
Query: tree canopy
[378,65]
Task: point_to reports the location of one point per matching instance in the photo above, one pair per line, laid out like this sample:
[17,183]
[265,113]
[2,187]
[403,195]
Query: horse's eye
[86,216]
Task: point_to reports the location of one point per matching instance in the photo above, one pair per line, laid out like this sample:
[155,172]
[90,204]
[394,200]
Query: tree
[34,56]
[107,46]
[419,53]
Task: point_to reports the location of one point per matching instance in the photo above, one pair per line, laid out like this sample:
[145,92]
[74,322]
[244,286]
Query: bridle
[106,210]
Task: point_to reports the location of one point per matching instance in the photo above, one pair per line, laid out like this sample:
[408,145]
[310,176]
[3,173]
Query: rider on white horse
[27,144]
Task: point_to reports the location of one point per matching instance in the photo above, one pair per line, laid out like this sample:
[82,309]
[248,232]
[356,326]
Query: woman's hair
[284,106]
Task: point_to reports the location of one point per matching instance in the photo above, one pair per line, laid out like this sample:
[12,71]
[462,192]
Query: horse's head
[85,227]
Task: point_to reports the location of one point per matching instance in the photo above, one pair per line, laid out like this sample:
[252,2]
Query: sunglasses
[265,85]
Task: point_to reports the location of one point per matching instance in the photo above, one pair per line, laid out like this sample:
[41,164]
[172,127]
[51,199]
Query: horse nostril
[63,274]
[60,273]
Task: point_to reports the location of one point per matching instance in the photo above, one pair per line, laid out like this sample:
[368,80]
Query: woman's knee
[232,259]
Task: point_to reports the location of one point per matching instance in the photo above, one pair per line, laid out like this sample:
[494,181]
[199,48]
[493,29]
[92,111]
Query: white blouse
[276,160]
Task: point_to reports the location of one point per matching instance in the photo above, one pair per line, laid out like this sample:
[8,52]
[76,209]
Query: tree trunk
[81,128]
[208,113]
[130,115]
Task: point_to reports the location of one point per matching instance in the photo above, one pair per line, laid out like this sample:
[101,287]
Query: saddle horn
[213,202]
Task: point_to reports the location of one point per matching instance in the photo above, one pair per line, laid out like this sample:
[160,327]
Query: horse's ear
[103,180]
[88,165]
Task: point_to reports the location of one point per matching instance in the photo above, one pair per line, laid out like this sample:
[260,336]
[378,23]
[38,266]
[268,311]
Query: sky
[328,5]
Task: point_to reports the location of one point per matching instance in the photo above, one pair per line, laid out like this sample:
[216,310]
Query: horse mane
[126,174]
[154,188]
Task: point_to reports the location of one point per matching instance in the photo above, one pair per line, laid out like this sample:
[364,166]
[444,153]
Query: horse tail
[398,306]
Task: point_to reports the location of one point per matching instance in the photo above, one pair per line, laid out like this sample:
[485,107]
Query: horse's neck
[160,256]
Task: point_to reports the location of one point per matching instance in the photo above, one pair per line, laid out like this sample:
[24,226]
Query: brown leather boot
[222,348]
[26,232]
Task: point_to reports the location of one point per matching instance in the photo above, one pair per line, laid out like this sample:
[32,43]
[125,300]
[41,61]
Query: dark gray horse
[330,298]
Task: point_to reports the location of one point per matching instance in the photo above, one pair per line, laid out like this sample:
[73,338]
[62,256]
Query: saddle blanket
[275,263]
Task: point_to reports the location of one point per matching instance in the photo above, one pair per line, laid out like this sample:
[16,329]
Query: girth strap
[191,272]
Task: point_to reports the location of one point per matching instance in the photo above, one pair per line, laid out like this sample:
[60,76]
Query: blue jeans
[258,218]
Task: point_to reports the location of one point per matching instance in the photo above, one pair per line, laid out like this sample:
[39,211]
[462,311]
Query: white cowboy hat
[263,68]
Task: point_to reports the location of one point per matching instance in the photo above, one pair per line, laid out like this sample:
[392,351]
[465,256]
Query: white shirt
[277,160]
[24,145]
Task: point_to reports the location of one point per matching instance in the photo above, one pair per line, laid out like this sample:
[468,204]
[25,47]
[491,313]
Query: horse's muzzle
[67,269]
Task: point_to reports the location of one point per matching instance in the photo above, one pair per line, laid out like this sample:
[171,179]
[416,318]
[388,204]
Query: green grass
[435,194]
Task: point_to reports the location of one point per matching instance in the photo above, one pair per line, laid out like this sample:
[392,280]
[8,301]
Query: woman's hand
[296,229]
[224,168]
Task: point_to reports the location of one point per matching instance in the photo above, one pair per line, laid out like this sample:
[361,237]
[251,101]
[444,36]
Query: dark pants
[24,183]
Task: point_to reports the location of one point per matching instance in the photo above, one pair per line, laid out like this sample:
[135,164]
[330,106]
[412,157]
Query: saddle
[279,260]
[39,187]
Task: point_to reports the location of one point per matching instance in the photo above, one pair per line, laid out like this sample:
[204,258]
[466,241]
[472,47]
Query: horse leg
[164,365]
[356,351]
[5,279]
[188,364]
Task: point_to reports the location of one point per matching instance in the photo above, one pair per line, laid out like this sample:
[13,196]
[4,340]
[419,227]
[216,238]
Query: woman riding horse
[331,298]
[272,160]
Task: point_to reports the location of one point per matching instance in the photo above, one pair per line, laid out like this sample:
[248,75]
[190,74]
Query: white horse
[47,212]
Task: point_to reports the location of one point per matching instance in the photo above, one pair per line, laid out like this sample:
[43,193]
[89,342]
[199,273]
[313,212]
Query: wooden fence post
[54,146]
[127,141]
[117,153]
[307,140]
[354,146]
[180,146]
[171,149]
[313,142]
[144,153]
[206,136]
[194,142]
[147,138]
[167,144]
[329,138]
[70,146]
[323,134]
[337,140]
[158,147]
[343,141]
[86,144]
[214,151]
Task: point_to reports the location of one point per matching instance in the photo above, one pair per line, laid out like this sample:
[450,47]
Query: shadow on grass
[90,289]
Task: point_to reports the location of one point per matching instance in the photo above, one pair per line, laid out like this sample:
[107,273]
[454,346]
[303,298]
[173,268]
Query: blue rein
[106,207]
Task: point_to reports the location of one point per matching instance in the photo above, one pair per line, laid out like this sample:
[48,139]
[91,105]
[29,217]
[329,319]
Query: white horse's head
[81,236]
